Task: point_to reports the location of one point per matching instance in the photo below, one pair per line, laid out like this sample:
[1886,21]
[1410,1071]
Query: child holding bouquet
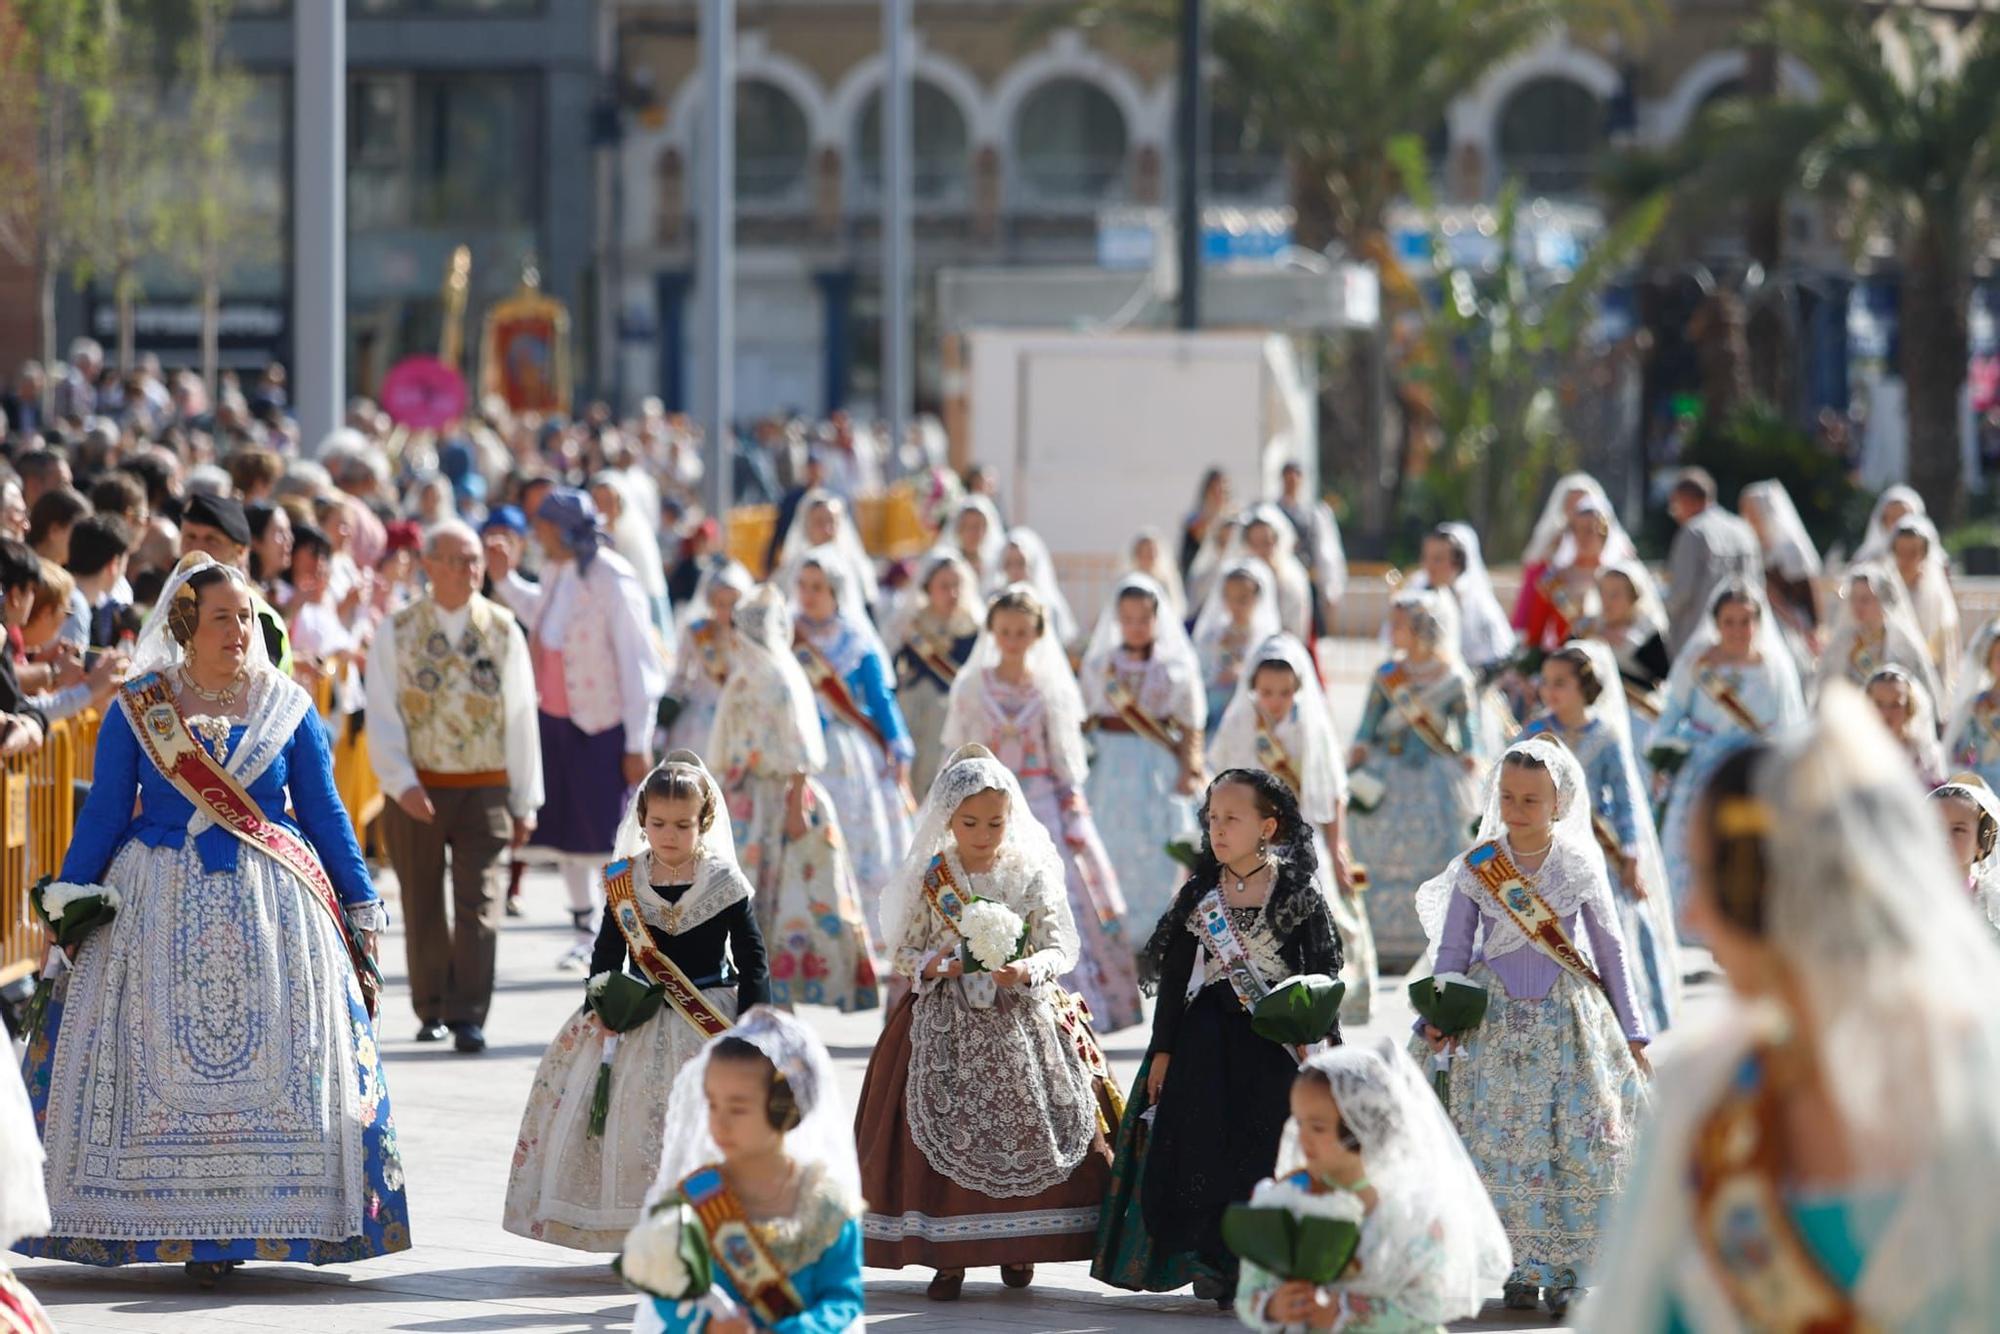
[678,957]
[754,1222]
[1546,1090]
[1384,1203]
[1250,918]
[985,1113]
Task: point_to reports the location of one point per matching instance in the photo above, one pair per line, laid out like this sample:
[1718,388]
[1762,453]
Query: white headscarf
[845,549]
[1920,734]
[1434,1245]
[915,597]
[1571,830]
[1048,669]
[1769,646]
[1163,571]
[1932,603]
[1214,619]
[1899,978]
[852,634]
[763,663]
[988,563]
[1486,635]
[1876,538]
[1902,639]
[1550,542]
[1042,578]
[718,842]
[633,536]
[1788,547]
[1292,583]
[824,1137]
[1172,648]
[1975,678]
[1985,870]
[1649,612]
[1434,619]
[1026,848]
[720,572]
[1322,769]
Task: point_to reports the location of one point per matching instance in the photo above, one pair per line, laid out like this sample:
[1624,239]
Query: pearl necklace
[225,696]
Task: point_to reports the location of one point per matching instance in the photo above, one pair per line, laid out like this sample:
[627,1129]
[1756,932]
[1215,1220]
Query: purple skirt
[584,788]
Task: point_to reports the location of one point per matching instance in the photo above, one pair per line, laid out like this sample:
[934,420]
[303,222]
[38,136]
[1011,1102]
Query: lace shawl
[1570,879]
[717,885]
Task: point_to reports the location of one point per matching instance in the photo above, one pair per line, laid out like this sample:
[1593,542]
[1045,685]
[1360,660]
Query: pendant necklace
[225,696]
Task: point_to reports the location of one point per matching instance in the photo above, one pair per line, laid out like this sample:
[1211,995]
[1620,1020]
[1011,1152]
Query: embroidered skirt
[873,817]
[206,1082]
[1547,1098]
[1428,807]
[919,1216]
[586,789]
[1357,939]
[808,908]
[1107,967]
[923,706]
[1136,809]
[1213,1137]
[570,1187]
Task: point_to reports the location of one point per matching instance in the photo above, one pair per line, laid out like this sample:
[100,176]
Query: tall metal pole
[897,183]
[1193,154]
[319,216]
[716,275]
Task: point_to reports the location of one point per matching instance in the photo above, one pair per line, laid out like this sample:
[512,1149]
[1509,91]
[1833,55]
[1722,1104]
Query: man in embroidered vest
[453,736]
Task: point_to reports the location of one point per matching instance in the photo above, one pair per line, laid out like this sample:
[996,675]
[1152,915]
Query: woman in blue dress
[758,1136]
[1732,683]
[1585,710]
[207,1080]
[1825,1157]
[1142,689]
[1419,749]
[868,748]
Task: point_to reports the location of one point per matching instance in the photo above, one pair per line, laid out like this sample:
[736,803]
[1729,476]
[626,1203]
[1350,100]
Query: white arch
[1669,118]
[1066,56]
[756,60]
[951,78]
[1475,118]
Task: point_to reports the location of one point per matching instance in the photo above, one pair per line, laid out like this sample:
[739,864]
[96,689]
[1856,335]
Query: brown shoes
[1017,1276]
[945,1285]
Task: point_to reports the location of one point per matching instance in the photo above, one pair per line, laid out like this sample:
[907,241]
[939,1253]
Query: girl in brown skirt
[983,1119]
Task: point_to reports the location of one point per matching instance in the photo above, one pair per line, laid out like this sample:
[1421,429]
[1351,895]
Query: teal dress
[1837,1229]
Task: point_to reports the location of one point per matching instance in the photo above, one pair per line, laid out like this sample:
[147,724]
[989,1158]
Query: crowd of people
[924,787]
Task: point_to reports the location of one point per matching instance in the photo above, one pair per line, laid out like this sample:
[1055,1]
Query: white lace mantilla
[717,886]
[1570,878]
[998,1101]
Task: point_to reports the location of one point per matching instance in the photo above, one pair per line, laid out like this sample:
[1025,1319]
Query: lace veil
[1877,539]
[915,597]
[1975,678]
[852,557]
[1903,639]
[1442,1250]
[721,572]
[1788,548]
[1322,769]
[1485,635]
[1550,542]
[718,843]
[1027,849]
[1574,858]
[1042,578]
[1164,571]
[1985,871]
[1171,646]
[765,663]
[990,546]
[1062,698]
[825,1133]
[1213,619]
[1769,645]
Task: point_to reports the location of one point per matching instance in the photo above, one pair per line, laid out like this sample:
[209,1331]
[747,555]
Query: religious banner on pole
[524,356]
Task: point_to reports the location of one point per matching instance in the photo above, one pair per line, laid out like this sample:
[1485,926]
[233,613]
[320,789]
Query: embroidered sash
[733,1243]
[621,900]
[1556,592]
[830,687]
[1401,690]
[1863,660]
[707,639]
[1529,911]
[1161,732]
[1225,944]
[1272,756]
[208,785]
[941,891]
[1725,698]
[1985,717]
[1768,1274]
[1644,702]
[936,657]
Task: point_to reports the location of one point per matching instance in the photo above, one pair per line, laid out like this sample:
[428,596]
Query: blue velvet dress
[207,1084]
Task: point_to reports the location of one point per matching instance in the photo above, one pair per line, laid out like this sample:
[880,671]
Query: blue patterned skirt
[1425,819]
[1132,798]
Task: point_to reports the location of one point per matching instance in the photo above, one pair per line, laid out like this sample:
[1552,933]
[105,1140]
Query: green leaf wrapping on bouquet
[1317,1250]
[82,916]
[692,1247]
[1528,662]
[1451,1009]
[1182,851]
[1667,755]
[1299,1010]
[624,1002]
[600,1100]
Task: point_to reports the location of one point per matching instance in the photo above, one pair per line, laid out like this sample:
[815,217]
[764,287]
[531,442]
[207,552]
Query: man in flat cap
[218,526]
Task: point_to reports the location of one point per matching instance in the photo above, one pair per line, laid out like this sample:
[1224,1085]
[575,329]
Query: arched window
[773,142]
[1244,161]
[943,164]
[1069,141]
[1551,131]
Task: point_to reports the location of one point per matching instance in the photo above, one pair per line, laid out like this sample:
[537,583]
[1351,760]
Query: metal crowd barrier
[37,815]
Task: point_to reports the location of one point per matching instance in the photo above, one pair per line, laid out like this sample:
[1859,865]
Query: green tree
[1905,129]
[1499,344]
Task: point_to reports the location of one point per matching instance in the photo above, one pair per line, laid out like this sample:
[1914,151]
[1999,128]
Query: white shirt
[389,739]
[549,605]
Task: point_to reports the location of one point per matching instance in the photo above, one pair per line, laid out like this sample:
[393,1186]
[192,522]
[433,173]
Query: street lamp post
[319,216]
[896,186]
[716,274]
[1193,145]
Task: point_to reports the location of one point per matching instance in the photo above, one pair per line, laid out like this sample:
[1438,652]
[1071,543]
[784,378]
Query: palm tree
[1905,128]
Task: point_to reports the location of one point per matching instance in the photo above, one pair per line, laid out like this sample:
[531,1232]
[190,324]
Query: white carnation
[1443,979]
[992,931]
[57,897]
[652,1260]
[1339,1205]
[595,987]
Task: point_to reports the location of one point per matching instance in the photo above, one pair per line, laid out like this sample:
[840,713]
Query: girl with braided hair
[1207,1110]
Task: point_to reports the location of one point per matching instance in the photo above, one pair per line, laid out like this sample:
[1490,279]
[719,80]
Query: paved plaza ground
[457,1117]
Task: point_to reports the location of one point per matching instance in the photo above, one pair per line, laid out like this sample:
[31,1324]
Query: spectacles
[459,562]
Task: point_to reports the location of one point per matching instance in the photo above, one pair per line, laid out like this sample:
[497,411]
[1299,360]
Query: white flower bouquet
[666,1256]
[1292,1231]
[71,912]
[994,935]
